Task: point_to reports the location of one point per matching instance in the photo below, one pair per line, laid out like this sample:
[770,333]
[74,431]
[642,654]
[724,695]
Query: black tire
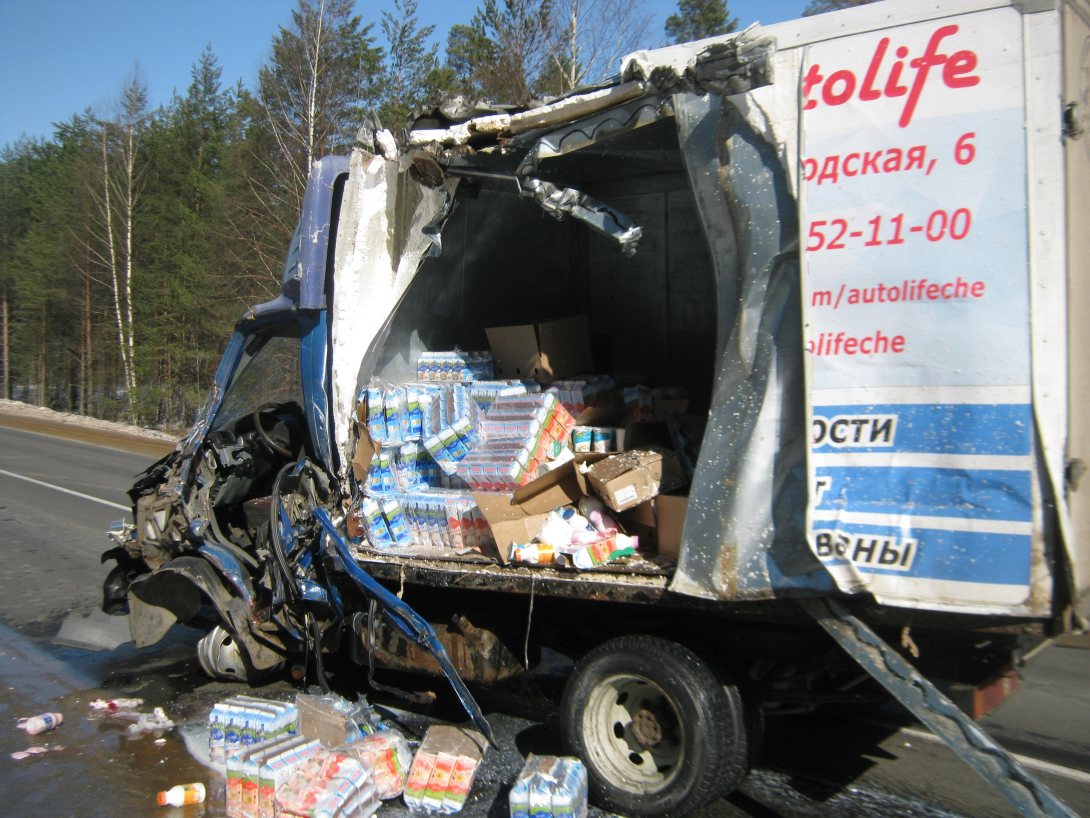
[659,733]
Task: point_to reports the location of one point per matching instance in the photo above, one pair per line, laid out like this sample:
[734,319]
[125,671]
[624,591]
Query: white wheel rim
[633,733]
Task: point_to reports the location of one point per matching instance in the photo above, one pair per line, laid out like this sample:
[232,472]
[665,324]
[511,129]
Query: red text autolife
[894,75]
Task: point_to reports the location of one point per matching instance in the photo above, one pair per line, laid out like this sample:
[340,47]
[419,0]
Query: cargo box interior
[505,262]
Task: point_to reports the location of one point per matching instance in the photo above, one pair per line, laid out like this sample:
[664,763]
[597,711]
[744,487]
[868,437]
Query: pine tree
[470,58]
[517,35]
[324,74]
[410,64]
[697,19]
[183,315]
[42,257]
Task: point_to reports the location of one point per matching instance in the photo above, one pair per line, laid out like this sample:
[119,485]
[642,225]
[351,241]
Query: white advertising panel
[916,290]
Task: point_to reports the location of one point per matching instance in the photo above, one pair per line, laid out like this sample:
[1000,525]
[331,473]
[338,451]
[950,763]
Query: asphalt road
[56,498]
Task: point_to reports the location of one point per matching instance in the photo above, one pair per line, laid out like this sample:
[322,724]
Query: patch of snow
[19,409]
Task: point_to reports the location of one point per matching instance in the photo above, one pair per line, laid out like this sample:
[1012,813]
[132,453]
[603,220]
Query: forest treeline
[132,239]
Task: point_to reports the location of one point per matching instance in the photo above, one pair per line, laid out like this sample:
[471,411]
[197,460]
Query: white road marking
[1025,761]
[66,491]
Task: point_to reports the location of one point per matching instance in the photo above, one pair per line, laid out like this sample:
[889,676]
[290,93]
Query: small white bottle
[41,723]
[181,795]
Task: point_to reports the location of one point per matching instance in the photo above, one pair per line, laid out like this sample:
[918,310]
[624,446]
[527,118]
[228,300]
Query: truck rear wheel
[659,733]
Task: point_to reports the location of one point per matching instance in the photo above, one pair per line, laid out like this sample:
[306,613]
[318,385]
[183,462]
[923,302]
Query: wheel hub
[633,733]
[646,728]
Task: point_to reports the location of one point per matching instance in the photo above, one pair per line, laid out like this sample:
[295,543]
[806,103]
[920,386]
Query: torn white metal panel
[460,134]
[773,110]
[679,58]
[376,260]
[544,116]
[559,202]
[1076,148]
[607,124]
[386,144]
[1047,266]
[574,107]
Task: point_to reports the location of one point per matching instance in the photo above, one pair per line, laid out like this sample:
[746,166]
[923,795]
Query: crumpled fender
[173,593]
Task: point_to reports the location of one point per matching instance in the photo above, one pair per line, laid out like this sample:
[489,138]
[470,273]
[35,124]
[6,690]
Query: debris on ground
[181,795]
[156,721]
[115,705]
[37,750]
[42,723]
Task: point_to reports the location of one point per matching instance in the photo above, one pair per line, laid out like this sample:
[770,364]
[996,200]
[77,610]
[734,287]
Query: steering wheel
[266,438]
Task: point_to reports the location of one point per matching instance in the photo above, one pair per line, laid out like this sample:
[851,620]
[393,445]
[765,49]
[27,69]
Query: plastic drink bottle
[181,795]
[40,723]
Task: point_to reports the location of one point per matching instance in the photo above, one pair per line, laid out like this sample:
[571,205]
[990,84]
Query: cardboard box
[544,351]
[627,479]
[365,451]
[661,521]
[518,517]
[670,512]
[617,418]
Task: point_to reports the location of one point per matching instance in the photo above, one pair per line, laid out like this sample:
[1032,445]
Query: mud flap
[940,715]
[405,619]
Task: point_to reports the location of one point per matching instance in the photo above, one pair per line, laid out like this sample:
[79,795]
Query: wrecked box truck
[791,317]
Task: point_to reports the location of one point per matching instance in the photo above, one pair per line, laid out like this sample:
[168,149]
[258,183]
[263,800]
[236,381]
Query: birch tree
[324,72]
[116,197]
[587,39]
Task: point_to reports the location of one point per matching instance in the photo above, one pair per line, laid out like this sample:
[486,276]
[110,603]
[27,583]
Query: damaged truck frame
[851,239]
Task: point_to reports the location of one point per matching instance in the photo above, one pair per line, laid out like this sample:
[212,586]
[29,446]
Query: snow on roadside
[14,407]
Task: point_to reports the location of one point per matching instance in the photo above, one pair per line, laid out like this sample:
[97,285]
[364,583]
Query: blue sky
[62,56]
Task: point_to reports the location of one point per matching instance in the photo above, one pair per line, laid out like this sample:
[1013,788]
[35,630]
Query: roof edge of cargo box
[728,65]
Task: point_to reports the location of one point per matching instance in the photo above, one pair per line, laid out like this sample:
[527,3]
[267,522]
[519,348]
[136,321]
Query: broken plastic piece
[566,201]
[151,723]
[114,705]
[36,750]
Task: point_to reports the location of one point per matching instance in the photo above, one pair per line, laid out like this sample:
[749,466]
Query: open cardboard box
[518,517]
[663,518]
[544,351]
[365,452]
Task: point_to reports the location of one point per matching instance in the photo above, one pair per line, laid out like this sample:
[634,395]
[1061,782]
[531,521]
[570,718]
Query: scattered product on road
[40,724]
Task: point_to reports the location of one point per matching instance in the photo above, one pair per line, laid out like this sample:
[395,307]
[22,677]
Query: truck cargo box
[823,231]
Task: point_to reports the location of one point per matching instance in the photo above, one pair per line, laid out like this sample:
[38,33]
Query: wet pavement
[834,766]
[95,767]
